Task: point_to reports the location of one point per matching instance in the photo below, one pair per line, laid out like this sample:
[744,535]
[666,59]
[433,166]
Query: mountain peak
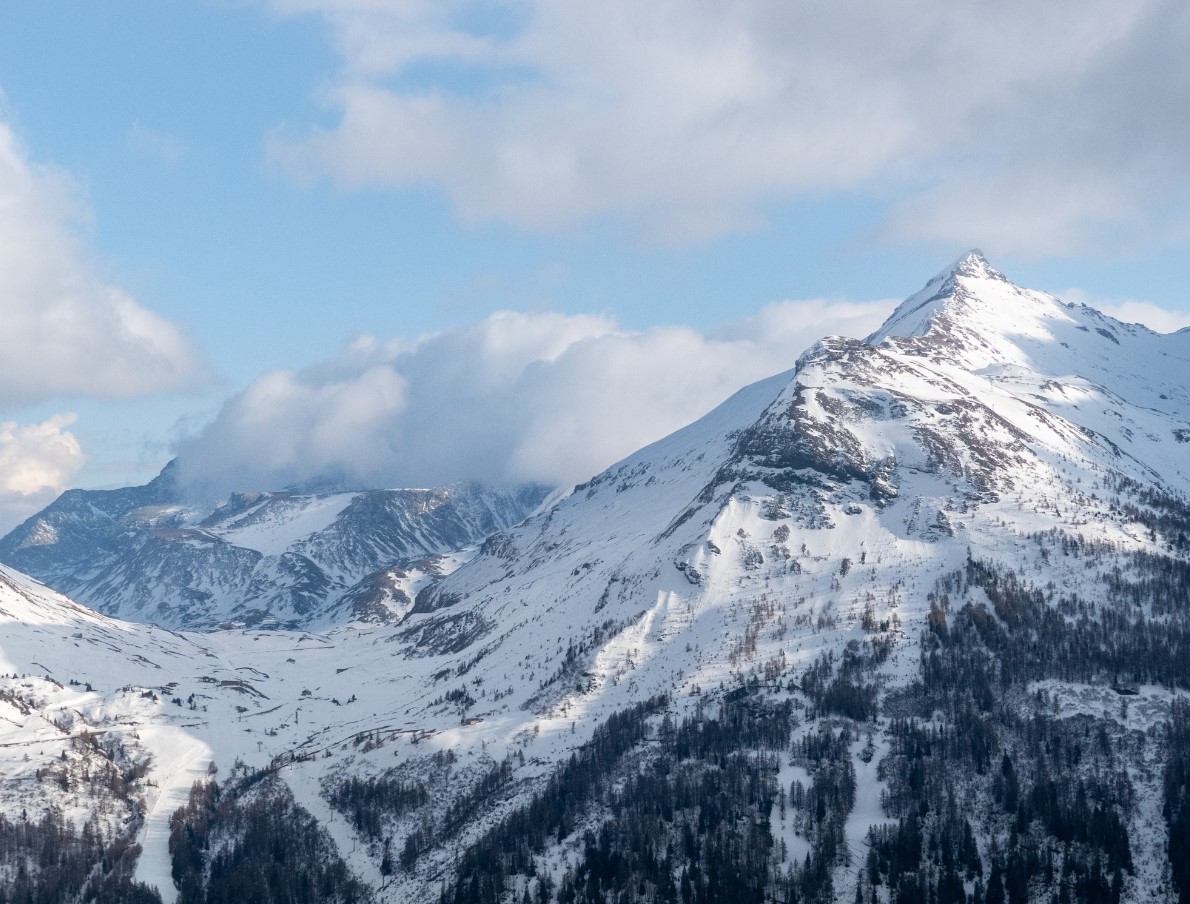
[972,265]
[972,316]
[969,278]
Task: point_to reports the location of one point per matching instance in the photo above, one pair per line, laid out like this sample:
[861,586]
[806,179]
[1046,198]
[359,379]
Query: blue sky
[268,182]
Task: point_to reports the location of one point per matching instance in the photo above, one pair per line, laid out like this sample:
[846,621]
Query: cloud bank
[66,331]
[516,397]
[1037,128]
[540,397]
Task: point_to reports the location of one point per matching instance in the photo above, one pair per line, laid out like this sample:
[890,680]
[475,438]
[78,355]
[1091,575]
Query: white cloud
[516,397]
[1130,310]
[1025,127]
[37,462]
[66,332]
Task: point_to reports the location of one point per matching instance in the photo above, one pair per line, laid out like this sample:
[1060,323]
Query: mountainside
[1002,470]
[283,559]
[909,622]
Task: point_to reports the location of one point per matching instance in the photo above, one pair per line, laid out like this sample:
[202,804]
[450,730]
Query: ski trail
[180,759]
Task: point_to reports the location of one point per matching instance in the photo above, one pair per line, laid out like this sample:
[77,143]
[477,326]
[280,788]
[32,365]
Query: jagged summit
[970,279]
[972,264]
[971,315]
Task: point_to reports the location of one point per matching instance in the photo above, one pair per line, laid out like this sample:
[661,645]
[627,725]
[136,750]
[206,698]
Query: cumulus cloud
[1131,310]
[1027,127]
[37,462]
[66,331]
[516,397]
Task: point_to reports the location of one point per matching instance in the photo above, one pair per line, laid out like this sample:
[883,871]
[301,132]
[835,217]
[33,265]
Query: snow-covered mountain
[286,559]
[837,640]
[979,414]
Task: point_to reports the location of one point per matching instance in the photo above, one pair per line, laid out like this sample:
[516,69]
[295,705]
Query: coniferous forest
[989,792]
[49,861]
[249,841]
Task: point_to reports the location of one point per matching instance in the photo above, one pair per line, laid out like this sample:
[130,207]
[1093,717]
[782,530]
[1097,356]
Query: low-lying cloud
[539,397]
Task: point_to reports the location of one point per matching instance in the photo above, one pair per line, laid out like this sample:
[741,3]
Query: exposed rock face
[283,559]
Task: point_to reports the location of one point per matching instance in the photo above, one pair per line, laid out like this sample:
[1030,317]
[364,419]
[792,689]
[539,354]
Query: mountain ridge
[283,558]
